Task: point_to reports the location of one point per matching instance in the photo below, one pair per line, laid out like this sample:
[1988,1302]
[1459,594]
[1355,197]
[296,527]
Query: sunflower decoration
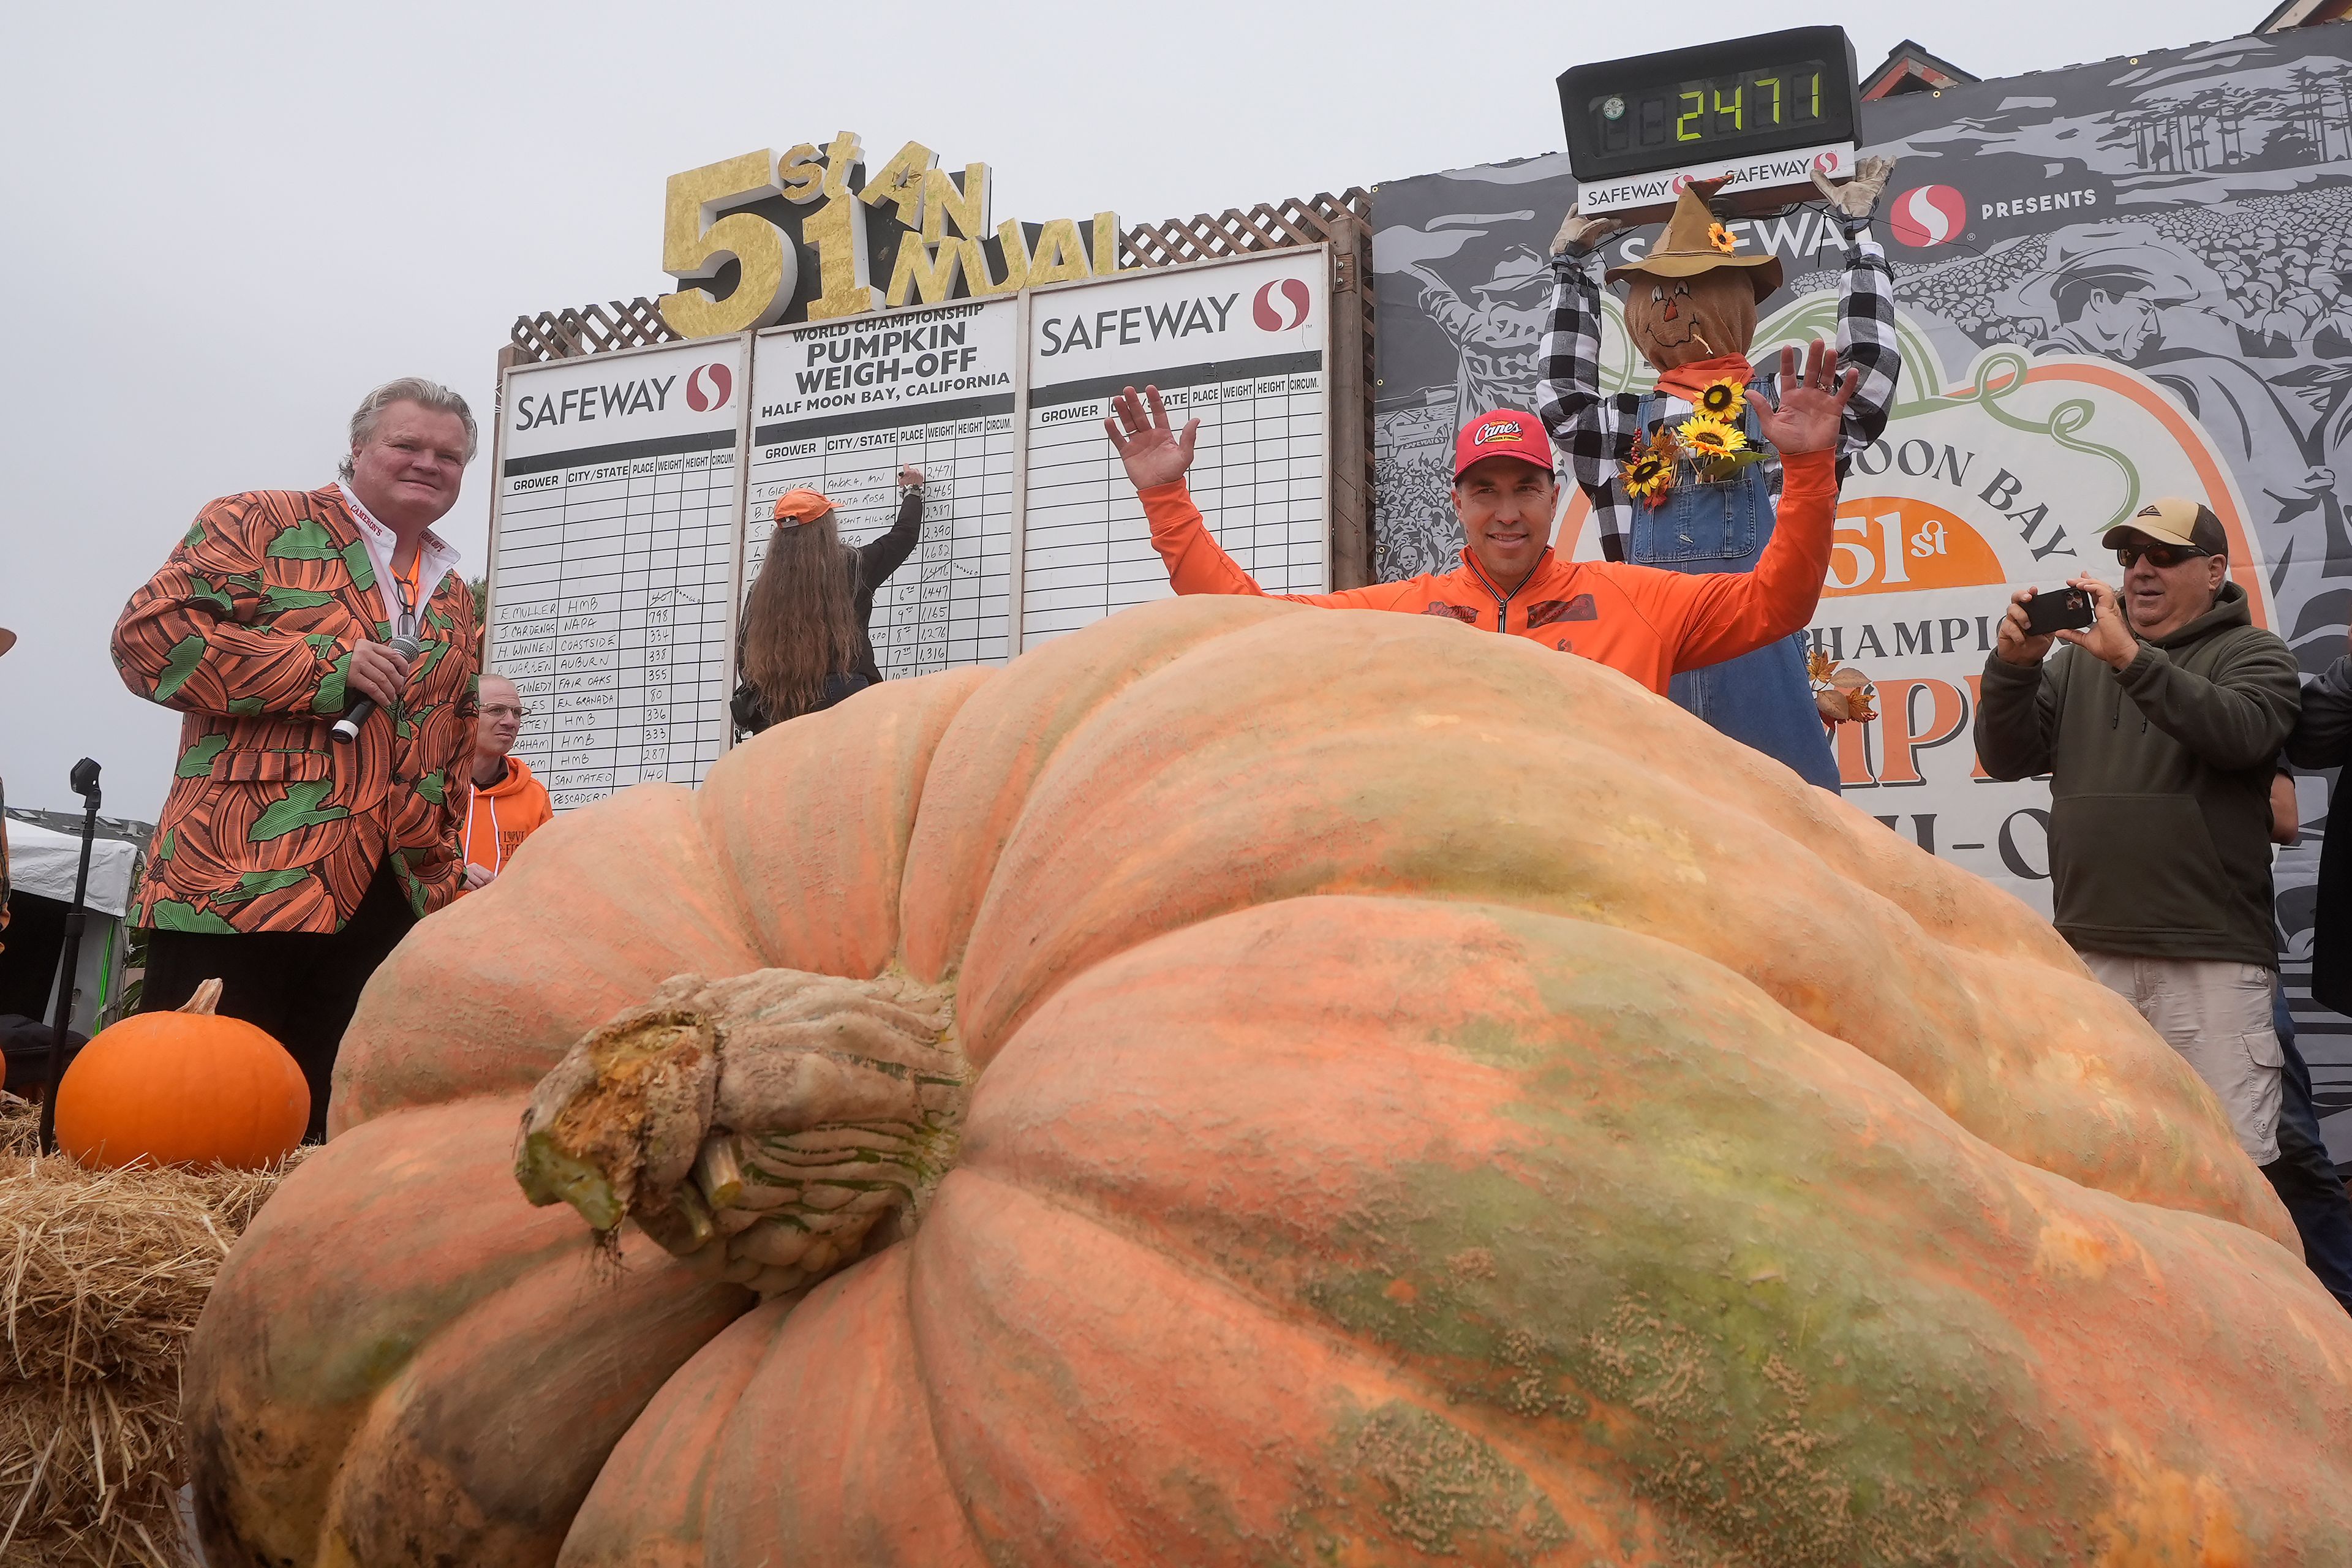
[1724,399]
[1722,239]
[1650,473]
[1709,440]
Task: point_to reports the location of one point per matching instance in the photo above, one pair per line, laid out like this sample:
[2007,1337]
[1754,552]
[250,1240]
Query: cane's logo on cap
[708,386]
[1496,430]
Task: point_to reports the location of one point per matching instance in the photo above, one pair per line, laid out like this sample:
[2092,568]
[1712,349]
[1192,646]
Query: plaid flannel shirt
[1597,433]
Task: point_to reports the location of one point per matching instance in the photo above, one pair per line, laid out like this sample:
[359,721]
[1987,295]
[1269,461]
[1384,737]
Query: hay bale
[102,1274]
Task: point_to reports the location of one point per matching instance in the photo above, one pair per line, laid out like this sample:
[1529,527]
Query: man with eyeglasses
[2160,726]
[505,805]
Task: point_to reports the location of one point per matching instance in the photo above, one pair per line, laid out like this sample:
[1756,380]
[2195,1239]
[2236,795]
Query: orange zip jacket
[1640,620]
[502,815]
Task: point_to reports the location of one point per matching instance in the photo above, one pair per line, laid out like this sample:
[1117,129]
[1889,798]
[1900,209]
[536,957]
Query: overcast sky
[226,223]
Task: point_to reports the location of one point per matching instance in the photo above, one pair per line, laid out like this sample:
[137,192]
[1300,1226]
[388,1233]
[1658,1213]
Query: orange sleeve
[1717,616]
[1197,563]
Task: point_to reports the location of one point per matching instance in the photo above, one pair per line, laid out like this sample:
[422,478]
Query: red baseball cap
[1505,433]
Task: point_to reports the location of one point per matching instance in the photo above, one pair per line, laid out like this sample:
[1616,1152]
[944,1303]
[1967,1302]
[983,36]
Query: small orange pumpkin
[189,1087]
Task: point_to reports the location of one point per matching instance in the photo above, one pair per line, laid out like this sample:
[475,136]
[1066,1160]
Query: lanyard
[408,586]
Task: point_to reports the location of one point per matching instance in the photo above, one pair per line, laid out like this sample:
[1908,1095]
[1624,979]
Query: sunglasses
[2160,556]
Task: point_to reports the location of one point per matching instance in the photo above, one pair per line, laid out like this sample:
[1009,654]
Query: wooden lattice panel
[595,328]
[1239,231]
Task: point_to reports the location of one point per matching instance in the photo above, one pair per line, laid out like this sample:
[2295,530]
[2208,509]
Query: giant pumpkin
[1245,1084]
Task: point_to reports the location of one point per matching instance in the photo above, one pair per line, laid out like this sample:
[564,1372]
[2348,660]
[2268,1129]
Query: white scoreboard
[1238,346]
[635,491]
[839,407]
[613,555]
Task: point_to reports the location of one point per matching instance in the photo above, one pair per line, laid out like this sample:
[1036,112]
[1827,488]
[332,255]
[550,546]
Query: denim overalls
[1763,699]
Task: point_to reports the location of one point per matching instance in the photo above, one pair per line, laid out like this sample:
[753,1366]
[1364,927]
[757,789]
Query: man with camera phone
[2159,724]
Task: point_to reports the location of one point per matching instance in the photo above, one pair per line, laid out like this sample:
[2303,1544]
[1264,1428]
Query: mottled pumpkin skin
[1438,1102]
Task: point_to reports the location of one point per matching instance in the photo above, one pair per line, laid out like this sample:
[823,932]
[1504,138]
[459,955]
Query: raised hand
[1857,197]
[1154,453]
[1581,232]
[1812,408]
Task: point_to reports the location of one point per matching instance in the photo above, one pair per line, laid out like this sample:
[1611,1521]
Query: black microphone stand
[84,784]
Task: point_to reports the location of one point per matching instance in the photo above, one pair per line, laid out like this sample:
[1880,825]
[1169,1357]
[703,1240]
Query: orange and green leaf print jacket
[1641,620]
[248,631]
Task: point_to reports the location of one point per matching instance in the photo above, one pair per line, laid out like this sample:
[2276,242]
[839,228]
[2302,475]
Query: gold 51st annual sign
[758,239]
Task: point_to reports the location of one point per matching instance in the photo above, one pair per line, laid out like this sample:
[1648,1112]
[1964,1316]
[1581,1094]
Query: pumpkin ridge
[1534,1442]
[1346,810]
[829,801]
[1345,1360]
[928,1387]
[1000,745]
[1865,1106]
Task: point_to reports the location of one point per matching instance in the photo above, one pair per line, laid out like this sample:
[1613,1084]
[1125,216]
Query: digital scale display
[1767,110]
[1699,117]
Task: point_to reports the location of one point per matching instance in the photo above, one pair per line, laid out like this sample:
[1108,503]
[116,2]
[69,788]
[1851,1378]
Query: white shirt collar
[440,559]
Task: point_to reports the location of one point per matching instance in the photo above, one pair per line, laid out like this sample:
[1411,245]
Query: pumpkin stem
[770,1123]
[206,1001]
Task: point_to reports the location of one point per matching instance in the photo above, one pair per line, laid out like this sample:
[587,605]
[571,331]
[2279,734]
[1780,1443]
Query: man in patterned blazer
[287,863]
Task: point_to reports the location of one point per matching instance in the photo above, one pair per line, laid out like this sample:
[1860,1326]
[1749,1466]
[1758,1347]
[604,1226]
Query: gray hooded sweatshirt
[2159,807]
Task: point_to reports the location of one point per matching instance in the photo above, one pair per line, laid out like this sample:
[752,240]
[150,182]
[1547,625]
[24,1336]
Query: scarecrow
[1680,476]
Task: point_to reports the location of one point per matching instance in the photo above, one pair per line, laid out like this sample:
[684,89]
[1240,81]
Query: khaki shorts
[2218,1016]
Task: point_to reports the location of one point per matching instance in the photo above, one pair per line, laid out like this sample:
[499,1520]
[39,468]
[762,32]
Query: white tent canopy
[45,862]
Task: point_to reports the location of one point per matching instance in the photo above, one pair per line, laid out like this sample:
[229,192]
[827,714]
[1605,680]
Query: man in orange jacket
[506,804]
[1643,621]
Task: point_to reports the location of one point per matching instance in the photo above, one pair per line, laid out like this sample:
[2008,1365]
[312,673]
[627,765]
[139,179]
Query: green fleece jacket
[2161,777]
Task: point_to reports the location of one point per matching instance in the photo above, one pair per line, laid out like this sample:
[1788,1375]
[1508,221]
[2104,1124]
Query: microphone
[347,728]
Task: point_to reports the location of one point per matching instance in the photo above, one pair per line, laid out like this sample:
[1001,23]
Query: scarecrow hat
[1695,243]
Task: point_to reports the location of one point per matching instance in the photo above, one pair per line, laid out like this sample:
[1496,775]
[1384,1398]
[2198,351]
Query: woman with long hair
[803,646]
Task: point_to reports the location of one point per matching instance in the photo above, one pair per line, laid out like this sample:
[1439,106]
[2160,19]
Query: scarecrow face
[1675,320]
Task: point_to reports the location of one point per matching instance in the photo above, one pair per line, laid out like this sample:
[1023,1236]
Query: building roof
[2304,13]
[1911,68]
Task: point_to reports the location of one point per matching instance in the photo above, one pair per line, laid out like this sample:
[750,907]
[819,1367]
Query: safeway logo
[709,387]
[1281,306]
[1928,215]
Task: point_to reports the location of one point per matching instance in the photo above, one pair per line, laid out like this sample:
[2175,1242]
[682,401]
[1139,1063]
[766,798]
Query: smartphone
[2059,609]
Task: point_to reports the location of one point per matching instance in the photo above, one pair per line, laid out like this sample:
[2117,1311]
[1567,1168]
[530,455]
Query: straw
[102,1276]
